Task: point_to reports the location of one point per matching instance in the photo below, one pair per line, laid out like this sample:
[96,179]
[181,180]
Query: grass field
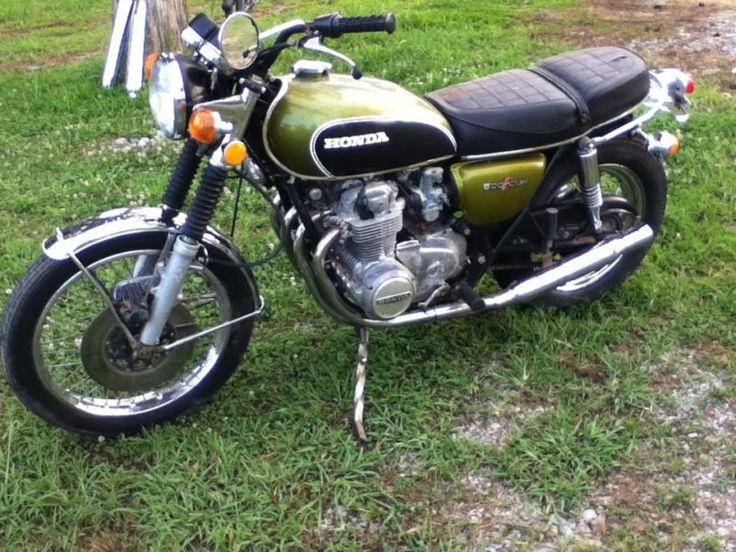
[502,430]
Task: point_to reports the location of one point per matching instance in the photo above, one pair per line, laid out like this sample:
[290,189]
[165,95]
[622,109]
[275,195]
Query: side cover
[334,127]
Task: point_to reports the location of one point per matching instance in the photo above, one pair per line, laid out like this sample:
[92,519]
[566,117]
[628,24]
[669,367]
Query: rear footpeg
[469,296]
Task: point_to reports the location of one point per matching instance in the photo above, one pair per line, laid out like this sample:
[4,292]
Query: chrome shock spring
[593,196]
[591,185]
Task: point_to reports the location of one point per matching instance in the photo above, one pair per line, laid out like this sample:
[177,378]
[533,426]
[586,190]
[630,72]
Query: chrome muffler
[527,290]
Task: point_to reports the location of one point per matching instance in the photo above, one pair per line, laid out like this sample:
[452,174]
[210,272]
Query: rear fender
[558,157]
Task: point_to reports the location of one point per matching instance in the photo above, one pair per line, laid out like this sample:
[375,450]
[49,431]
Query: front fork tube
[185,248]
[591,184]
[145,265]
[182,255]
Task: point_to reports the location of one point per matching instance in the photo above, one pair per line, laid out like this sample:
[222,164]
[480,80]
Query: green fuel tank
[328,126]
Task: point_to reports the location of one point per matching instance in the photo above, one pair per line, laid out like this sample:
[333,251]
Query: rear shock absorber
[591,185]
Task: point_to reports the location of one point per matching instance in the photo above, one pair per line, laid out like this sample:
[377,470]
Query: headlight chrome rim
[168,97]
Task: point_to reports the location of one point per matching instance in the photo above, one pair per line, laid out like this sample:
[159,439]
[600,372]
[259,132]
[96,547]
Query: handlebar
[203,32]
[334,25]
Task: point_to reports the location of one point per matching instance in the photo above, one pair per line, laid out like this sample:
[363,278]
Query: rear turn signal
[203,126]
[665,144]
[235,153]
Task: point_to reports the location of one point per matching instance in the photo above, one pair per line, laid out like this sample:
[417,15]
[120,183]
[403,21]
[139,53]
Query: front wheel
[634,186]
[69,361]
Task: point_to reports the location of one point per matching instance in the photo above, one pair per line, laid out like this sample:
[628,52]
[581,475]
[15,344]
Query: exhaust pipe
[598,256]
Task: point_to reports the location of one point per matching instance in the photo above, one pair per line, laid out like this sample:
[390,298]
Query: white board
[117,42]
[136,49]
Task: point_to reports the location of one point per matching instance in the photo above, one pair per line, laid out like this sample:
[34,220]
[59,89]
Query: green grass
[559,457]
[271,458]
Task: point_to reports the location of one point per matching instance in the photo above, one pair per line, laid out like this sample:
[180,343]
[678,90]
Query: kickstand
[360,378]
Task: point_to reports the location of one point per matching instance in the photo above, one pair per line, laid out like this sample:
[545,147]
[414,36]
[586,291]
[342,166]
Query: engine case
[367,268]
[384,289]
[433,259]
[382,276]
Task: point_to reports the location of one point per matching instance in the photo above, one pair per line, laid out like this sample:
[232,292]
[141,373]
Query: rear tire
[637,168]
[31,306]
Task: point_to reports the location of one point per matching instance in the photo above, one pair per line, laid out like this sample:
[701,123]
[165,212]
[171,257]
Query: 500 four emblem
[507,183]
[357,141]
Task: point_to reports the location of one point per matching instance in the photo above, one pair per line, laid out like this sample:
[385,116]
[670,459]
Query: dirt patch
[11,32]
[496,518]
[340,519]
[48,62]
[698,36]
[681,495]
[677,491]
[494,429]
[124,145]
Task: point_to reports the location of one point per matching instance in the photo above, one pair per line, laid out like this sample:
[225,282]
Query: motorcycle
[392,207]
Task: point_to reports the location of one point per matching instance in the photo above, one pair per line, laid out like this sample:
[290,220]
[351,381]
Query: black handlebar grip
[333,26]
[370,24]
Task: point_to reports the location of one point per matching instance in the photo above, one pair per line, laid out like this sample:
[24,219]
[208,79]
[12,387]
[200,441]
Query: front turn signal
[674,148]
[148,65]
[235,153]
[203,126]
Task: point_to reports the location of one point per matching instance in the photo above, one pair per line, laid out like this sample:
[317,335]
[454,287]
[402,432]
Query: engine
[379,271]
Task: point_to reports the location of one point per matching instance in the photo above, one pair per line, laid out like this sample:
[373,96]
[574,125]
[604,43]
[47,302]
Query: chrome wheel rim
[616,180]
[59,332]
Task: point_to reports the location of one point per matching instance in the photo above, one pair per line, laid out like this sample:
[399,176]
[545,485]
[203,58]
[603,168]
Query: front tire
[628,170]
[55,309]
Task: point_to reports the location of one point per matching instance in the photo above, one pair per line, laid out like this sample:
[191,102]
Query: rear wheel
[69,361]
[629,173]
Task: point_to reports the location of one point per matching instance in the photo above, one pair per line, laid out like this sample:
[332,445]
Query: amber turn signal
[203,126]
[148,66]
[664,144]
[674,148]
[235,153]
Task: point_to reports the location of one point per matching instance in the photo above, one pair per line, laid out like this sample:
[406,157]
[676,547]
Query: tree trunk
[166,20]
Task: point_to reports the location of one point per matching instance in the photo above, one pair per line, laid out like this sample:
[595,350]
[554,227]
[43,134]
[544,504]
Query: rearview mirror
[239,40]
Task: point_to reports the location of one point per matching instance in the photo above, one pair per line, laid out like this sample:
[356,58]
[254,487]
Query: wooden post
[166,20]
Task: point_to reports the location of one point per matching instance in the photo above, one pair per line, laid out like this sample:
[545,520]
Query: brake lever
[314,44]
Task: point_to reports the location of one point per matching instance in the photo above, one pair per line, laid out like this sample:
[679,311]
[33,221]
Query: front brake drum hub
[108,358]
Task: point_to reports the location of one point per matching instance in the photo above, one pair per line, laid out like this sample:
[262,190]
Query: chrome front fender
[127,221]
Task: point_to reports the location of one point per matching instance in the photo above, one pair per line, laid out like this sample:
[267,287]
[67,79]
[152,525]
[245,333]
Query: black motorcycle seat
[562,98]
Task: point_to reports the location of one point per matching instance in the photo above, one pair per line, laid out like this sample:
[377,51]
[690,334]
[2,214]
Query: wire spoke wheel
[634,187]
[84,360]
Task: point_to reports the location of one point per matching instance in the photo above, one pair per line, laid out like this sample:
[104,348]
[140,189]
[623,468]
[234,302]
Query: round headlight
[178,83]
[168,97]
